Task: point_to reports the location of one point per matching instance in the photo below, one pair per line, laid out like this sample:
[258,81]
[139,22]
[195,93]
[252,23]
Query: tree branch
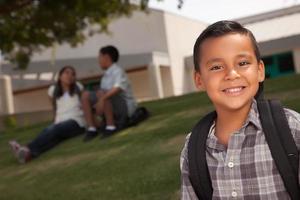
[10,6]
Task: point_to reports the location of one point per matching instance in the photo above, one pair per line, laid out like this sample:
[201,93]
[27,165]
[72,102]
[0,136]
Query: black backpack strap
[281,144]
[198,169]
[286,139]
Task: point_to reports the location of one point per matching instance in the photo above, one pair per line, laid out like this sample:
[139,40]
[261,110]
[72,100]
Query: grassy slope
[139,163]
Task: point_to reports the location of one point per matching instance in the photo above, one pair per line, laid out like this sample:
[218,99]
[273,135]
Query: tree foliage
[27,26]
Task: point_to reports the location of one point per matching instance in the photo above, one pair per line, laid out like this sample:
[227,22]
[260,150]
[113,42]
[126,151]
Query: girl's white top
[68,107]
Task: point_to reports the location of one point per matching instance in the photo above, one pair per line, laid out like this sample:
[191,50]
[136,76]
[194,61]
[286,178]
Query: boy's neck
[109,66]
[228,122]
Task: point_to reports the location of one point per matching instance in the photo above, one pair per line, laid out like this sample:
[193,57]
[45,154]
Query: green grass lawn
[138,163]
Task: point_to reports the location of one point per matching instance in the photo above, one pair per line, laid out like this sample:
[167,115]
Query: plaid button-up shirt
[245,169]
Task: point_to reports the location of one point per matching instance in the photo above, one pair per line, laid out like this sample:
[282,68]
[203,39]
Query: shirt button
[234,194]
[230,164]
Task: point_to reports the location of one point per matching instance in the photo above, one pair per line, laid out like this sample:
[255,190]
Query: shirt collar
[212,141]
[110,69]
[253,118]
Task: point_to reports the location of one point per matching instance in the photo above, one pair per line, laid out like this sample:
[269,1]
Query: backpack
[139,115]
[278,136]
[123,121]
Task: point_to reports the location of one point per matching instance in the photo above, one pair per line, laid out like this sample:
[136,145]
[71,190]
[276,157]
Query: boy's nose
[231,74]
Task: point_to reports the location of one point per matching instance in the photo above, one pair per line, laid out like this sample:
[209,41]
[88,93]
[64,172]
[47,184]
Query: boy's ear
[261,71]
[198,80]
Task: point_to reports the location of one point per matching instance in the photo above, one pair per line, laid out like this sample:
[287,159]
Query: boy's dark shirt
[246,169]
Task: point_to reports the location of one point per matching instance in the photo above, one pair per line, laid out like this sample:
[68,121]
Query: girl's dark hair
[219,29]
[58,91]
[111,51]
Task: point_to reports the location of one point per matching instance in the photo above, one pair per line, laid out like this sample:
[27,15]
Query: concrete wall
[279,46]
[296,55]
[32,101]
[26,119]
[275,28]
[141,86]
[181,36]
[41,73]
[167,81]
[140,33]
[6,95]
[38,100]
[189,74]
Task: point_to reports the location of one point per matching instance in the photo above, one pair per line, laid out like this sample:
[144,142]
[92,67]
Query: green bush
[10,122]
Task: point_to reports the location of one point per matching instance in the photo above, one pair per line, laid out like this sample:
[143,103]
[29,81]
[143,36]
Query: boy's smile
[234,91]
[229,71]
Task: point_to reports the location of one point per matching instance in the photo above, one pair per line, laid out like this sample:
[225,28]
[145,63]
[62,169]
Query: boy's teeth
[232,90]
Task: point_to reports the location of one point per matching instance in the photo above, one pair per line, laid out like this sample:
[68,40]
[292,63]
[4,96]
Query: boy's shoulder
[292,115]
[115,69]
[293,119]
[118,68]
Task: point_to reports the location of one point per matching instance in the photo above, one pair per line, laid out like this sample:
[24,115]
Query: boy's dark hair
[111,51]
[219,29]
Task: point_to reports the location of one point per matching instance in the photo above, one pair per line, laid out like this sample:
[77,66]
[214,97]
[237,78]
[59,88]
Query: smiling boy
[228,67]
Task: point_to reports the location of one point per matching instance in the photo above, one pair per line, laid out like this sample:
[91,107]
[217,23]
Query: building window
[279,64]
[268,61]
[286,63]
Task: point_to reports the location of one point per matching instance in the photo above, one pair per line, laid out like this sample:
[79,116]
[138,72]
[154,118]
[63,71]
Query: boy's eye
[215,67]
[243,63]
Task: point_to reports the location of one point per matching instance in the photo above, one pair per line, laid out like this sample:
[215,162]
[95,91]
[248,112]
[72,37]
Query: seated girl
[69,121]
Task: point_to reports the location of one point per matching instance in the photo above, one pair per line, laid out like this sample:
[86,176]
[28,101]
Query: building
[278,37]
[152,47]
[156,49]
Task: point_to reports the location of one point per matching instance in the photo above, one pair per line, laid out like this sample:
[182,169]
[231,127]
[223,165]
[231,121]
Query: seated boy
[229,68]
[114,101]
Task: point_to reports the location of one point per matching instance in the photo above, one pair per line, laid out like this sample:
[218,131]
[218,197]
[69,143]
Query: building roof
[269,15]
[274,25]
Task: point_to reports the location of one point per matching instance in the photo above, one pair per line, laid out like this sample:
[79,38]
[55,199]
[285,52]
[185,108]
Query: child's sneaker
[15,147]
[90,135]
[107,133]
[24,155]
